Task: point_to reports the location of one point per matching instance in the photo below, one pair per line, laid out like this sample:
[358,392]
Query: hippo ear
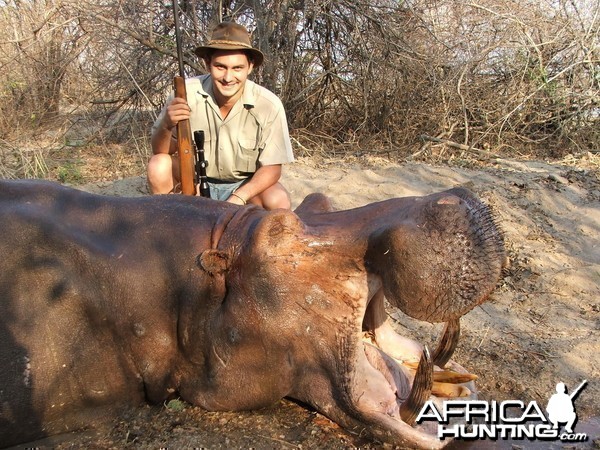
[215,262]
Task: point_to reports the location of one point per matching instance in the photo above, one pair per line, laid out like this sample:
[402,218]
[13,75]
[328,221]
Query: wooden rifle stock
[184,145]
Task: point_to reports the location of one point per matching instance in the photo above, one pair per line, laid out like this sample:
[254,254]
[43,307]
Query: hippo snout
[442,259]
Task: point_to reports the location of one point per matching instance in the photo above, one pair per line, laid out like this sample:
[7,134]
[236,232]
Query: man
[245,127]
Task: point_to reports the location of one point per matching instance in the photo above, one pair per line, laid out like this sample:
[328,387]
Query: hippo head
[303,311]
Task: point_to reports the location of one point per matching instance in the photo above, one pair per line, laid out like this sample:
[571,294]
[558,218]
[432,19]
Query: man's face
[229,70]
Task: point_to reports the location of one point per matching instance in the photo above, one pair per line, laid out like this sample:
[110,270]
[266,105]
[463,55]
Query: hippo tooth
[448,343]
[421,389]
[449,390]
[444,376]
[449,376]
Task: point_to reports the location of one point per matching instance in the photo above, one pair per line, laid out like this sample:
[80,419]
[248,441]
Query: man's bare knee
[285,200]
[277,198]
[160,174]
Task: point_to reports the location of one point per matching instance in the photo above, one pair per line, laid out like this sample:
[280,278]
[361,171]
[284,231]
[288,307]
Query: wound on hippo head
[214,262]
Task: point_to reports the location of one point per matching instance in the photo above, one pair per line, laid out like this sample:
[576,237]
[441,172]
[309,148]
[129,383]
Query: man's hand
[263,189]
[162,140]
[237,199]
[177,111]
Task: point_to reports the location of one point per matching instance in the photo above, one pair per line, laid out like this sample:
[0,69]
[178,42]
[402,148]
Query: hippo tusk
[421,389]
[448,343]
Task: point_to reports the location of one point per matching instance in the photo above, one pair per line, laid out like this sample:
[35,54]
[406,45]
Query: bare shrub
[517,77]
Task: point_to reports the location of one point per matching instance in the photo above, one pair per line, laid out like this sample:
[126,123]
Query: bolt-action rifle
[184,132]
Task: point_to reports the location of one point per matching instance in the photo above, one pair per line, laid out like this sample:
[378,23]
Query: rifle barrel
[184,132]
[178,39]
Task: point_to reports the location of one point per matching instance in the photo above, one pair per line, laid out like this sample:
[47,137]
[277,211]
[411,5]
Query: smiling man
[245,127]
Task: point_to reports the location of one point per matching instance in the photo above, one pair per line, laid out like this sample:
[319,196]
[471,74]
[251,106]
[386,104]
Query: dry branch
[466,148]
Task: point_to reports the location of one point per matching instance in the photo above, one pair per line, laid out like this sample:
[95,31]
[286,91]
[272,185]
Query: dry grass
[97,163]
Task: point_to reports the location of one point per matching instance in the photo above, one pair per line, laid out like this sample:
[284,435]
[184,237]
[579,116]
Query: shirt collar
[249,94]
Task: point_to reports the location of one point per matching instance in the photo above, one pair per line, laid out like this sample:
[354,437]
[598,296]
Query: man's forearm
[263,178]
[161,141]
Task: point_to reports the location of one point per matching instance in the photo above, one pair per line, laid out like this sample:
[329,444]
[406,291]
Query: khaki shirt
[254,133]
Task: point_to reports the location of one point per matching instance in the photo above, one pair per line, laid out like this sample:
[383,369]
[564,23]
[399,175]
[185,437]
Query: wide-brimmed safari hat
[230,36]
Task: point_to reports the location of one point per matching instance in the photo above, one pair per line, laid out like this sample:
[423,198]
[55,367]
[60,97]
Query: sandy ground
[541,326]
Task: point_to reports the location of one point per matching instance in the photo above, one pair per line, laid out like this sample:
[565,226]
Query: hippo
[109,302]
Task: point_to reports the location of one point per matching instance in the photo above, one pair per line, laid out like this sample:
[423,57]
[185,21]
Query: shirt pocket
[247,155]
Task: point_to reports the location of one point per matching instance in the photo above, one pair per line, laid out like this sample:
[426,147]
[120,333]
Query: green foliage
[176,405]
[69,173]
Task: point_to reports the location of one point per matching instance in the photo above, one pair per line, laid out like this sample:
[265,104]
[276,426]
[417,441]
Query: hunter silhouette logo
[510,419]
[560,407]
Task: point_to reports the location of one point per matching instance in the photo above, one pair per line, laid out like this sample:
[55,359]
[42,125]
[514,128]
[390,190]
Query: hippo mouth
[395,376]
